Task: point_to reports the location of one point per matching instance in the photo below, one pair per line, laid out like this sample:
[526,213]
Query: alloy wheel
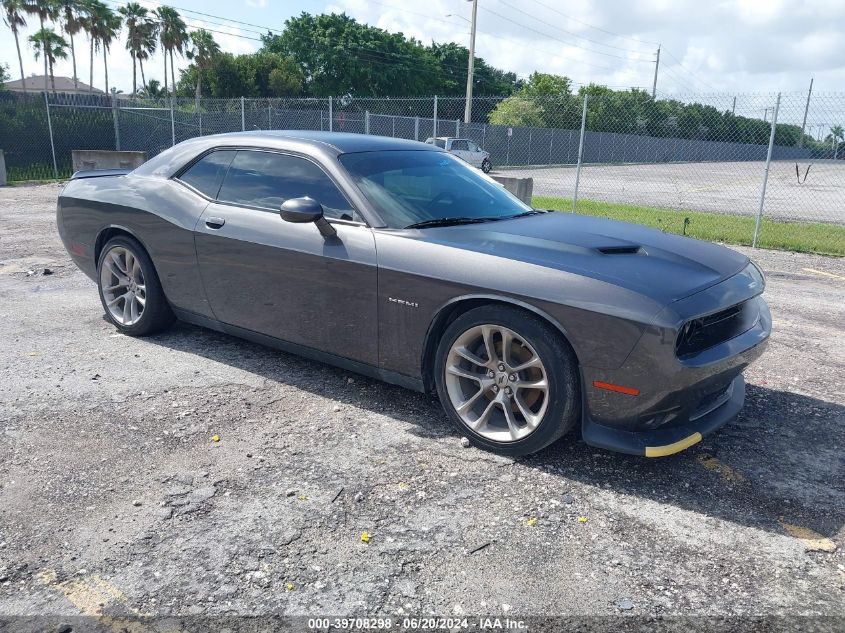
[123,286]
[497,383]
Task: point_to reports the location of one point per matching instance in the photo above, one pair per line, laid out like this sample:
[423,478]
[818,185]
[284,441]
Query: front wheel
[507,379]
[486,166]
[130,291]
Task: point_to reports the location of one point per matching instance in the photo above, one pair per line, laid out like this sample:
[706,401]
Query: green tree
[13,17]
[71,16]
[173,36]
[153,90]
[4,76]
[51,46]
[338,55]
[135,18]
[517,111]
[204,52]
[149,43]
[544,99]
[45,10]
[285,80]
[103,26]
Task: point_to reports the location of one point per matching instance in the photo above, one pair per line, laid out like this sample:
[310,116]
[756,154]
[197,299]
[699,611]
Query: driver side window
[266,179]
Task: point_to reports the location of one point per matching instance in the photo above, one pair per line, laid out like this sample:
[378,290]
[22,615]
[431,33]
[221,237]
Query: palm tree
[52,46]
[134,18]
[837,133]
[72,15]
[204,52]
[90,9]
[149,43]
[152,90]
[104,25]
[173,35]
[13,12]
[45,10]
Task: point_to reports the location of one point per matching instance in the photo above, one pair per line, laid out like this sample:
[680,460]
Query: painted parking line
[717,186]
[726,472]
[91,594]
[813,541]
[821,272]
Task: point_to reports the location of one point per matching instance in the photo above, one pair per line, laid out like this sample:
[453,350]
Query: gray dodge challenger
[397,260]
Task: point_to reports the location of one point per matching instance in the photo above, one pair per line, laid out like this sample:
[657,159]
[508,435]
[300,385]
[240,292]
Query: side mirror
[302,210]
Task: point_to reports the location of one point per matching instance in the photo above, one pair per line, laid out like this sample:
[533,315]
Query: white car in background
[465,149]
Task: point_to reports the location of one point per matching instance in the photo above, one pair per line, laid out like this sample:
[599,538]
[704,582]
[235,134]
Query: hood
[662,266]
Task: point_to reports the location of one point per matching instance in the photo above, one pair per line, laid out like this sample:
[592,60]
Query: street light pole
[470,65]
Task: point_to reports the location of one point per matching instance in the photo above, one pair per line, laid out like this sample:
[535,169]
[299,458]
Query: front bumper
[678,401]
[666,441]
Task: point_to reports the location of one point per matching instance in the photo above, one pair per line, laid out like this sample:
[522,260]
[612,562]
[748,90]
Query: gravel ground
[115,500]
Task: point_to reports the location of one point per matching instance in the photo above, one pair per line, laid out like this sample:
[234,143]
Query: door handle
[215,223]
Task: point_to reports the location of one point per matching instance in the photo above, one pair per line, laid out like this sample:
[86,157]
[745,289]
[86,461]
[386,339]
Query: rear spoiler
[97,173]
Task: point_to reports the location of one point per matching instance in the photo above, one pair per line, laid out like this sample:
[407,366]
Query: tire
[486,166]
[463,378]
[134,304]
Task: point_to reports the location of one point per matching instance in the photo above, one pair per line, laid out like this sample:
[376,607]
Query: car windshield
[415,187]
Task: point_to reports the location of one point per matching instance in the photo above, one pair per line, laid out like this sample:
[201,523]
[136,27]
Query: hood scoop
[621,250]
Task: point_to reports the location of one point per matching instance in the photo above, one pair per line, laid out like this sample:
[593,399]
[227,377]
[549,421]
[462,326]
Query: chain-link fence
[709,166]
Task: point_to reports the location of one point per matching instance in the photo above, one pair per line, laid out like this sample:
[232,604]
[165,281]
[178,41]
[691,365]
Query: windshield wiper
[522,215]
[449,222]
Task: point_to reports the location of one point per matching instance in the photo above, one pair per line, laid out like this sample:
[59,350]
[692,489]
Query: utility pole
[806,109]
[656,66]
[471,64]
[733,107]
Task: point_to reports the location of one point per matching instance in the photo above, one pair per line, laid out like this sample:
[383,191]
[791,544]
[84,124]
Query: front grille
[704,332]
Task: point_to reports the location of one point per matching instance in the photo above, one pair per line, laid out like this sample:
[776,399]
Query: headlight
[759,273]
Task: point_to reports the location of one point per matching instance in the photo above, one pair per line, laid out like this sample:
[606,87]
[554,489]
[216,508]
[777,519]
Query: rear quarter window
[207,173]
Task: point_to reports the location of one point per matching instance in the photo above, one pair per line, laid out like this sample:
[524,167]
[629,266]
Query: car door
[459,148]
[284,279]
[474,154]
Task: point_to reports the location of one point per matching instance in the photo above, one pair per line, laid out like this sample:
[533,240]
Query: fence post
[580,155]
[50,129]
[457,127]
[483,135]
[434,126]
[529,146]
[116,122]
[766,173]
[243,116]
[393,126]
[269,115]
[551,145]
[366,121]
[172,124]
[331,116]
[416,128]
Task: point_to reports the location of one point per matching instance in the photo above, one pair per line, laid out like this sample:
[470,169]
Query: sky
[727,47]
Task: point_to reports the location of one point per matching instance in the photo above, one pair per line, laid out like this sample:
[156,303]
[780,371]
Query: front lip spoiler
[663,442]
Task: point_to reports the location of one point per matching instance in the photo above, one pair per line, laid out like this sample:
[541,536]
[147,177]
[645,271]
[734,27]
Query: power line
[525,26]
[688,71]
[582,37]
[592,26]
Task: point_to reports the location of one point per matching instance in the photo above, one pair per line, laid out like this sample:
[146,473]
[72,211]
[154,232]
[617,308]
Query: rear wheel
[130,290]
[507,379]
[486,166]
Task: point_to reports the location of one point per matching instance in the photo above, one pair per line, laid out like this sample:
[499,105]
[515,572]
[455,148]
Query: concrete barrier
[104,159]
[3,180]
[522,188]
